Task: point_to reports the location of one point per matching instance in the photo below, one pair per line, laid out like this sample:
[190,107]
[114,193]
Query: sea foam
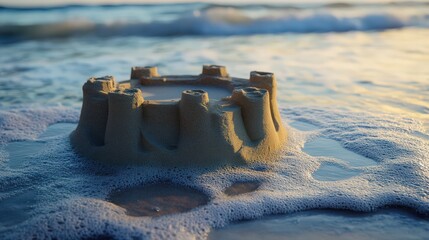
[25,124]
[71,191]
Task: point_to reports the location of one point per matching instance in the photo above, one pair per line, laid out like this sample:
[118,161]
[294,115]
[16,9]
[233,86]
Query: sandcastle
[123,123]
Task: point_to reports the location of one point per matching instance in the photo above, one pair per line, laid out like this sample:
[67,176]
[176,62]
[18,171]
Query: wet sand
[157,199]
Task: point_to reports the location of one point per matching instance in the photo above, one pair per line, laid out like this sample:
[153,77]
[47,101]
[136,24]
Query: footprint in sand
[157,199]
[239,188]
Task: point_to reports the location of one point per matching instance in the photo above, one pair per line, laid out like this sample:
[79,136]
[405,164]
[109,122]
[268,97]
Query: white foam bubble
[71,191]
[25,123]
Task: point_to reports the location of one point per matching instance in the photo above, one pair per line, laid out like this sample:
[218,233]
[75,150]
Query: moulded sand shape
[240,125]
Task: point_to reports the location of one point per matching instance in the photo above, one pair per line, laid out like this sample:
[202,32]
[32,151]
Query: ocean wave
[218,21]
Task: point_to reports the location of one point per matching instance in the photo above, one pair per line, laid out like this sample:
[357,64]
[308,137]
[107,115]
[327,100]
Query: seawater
[353,92]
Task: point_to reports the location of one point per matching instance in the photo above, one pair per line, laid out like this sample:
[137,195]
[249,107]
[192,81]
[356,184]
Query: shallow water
[354,90]
[329,148]
[329,225]
[332,172]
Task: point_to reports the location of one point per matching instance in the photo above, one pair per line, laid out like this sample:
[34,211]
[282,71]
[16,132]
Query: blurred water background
[369,56]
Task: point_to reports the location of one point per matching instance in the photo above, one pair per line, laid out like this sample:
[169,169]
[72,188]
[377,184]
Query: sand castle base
[118,125]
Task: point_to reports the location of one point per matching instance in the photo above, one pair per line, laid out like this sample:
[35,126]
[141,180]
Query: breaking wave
[217,21]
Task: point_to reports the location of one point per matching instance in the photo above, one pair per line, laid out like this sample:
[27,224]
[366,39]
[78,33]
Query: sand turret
[139,72]
[209,119]
[215,70]
[93,117]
